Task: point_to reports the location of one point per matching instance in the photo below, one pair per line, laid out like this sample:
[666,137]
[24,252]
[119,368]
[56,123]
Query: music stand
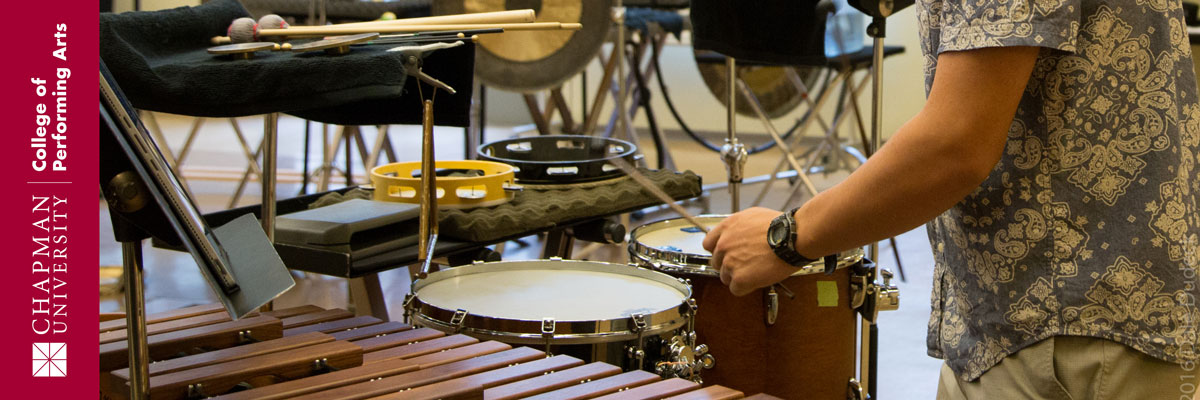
[145,198]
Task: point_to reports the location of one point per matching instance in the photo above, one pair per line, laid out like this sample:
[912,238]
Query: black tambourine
[561,159]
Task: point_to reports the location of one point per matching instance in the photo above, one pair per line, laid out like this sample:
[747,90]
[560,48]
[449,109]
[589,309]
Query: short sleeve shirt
[1089,224]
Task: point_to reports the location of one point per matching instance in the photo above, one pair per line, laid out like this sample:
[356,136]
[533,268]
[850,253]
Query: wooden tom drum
[808,352]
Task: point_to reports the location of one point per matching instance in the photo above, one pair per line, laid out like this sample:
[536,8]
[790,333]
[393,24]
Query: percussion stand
[126,194]
[654,38]
[733,153]
[877,297]
[135,316]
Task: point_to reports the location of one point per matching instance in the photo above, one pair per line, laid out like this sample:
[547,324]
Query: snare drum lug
[407,307]
[639,326]
[460,315]
[548,334]
[771,298]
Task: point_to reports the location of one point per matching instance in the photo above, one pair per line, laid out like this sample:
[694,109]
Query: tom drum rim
[555,332]
[696,263]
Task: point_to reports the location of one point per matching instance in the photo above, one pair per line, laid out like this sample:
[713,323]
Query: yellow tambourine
[395,182]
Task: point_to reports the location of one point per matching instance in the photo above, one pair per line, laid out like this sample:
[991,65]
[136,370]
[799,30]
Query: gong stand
[542,117]
[556,101]
[639,92]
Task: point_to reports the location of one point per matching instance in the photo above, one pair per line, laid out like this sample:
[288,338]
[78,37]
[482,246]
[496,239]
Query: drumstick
[459,34]
[654,190]
[428,223]
[247,27]
[495,17]
[351,30]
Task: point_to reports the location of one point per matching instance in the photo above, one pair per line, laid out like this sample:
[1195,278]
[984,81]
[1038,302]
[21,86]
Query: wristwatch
[782,237]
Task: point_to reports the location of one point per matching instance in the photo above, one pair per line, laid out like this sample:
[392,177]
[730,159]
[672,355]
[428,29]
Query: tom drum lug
[771,299]
[854,390]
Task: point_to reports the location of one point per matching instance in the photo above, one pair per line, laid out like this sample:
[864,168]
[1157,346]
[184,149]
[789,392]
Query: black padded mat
[538,210]
[161,62]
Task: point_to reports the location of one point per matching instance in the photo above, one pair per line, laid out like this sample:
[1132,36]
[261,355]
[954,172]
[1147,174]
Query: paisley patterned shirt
[1089,224]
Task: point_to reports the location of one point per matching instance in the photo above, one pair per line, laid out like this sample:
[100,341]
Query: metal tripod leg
[815,107]
[270,131]
[135,321]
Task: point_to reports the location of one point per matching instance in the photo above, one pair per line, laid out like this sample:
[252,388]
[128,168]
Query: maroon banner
[49,305]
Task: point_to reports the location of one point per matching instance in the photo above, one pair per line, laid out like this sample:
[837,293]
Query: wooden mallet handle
[301,31]
[495,17]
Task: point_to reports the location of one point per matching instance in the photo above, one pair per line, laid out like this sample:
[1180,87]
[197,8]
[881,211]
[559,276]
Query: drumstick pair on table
[247,30]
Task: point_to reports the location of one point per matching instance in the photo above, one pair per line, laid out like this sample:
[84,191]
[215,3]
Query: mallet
[244,29]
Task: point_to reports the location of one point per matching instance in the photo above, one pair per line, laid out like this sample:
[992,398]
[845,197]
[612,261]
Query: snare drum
[801,347]
[621,314]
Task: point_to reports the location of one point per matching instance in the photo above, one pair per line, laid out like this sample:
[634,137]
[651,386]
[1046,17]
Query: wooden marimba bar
[311,353]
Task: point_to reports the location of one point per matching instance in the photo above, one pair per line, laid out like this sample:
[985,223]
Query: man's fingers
[718,258]
[737,288]
[714,235]
[727,276]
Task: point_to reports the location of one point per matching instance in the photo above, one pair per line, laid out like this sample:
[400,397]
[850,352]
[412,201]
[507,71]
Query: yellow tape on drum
[396,182]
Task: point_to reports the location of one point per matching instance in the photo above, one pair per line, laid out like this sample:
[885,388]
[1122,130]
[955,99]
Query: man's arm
[932,162]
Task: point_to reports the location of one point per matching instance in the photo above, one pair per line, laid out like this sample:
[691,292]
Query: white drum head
[679,239]
[565,295]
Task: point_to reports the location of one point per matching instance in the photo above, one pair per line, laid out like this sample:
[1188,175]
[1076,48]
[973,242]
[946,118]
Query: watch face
[777,233]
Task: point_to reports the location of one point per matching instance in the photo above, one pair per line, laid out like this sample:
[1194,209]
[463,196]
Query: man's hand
[740,251]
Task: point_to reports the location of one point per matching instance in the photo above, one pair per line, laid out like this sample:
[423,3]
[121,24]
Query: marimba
[312,353]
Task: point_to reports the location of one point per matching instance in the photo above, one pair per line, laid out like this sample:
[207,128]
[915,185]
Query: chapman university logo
[49,359]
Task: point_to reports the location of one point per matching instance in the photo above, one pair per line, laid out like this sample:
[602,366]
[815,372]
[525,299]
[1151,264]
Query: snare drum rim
[522,331]
[678,262]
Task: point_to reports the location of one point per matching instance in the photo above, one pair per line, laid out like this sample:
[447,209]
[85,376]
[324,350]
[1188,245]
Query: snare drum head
[676,246]
[564,302]
[565,295]
[681,238]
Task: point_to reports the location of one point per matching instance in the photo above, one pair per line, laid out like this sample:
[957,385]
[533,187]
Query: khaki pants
[1075,368]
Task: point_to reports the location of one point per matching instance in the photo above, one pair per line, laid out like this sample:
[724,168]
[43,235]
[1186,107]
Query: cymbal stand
[733,153]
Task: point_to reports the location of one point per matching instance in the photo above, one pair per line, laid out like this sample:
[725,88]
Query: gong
[770,84]
[530,61]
